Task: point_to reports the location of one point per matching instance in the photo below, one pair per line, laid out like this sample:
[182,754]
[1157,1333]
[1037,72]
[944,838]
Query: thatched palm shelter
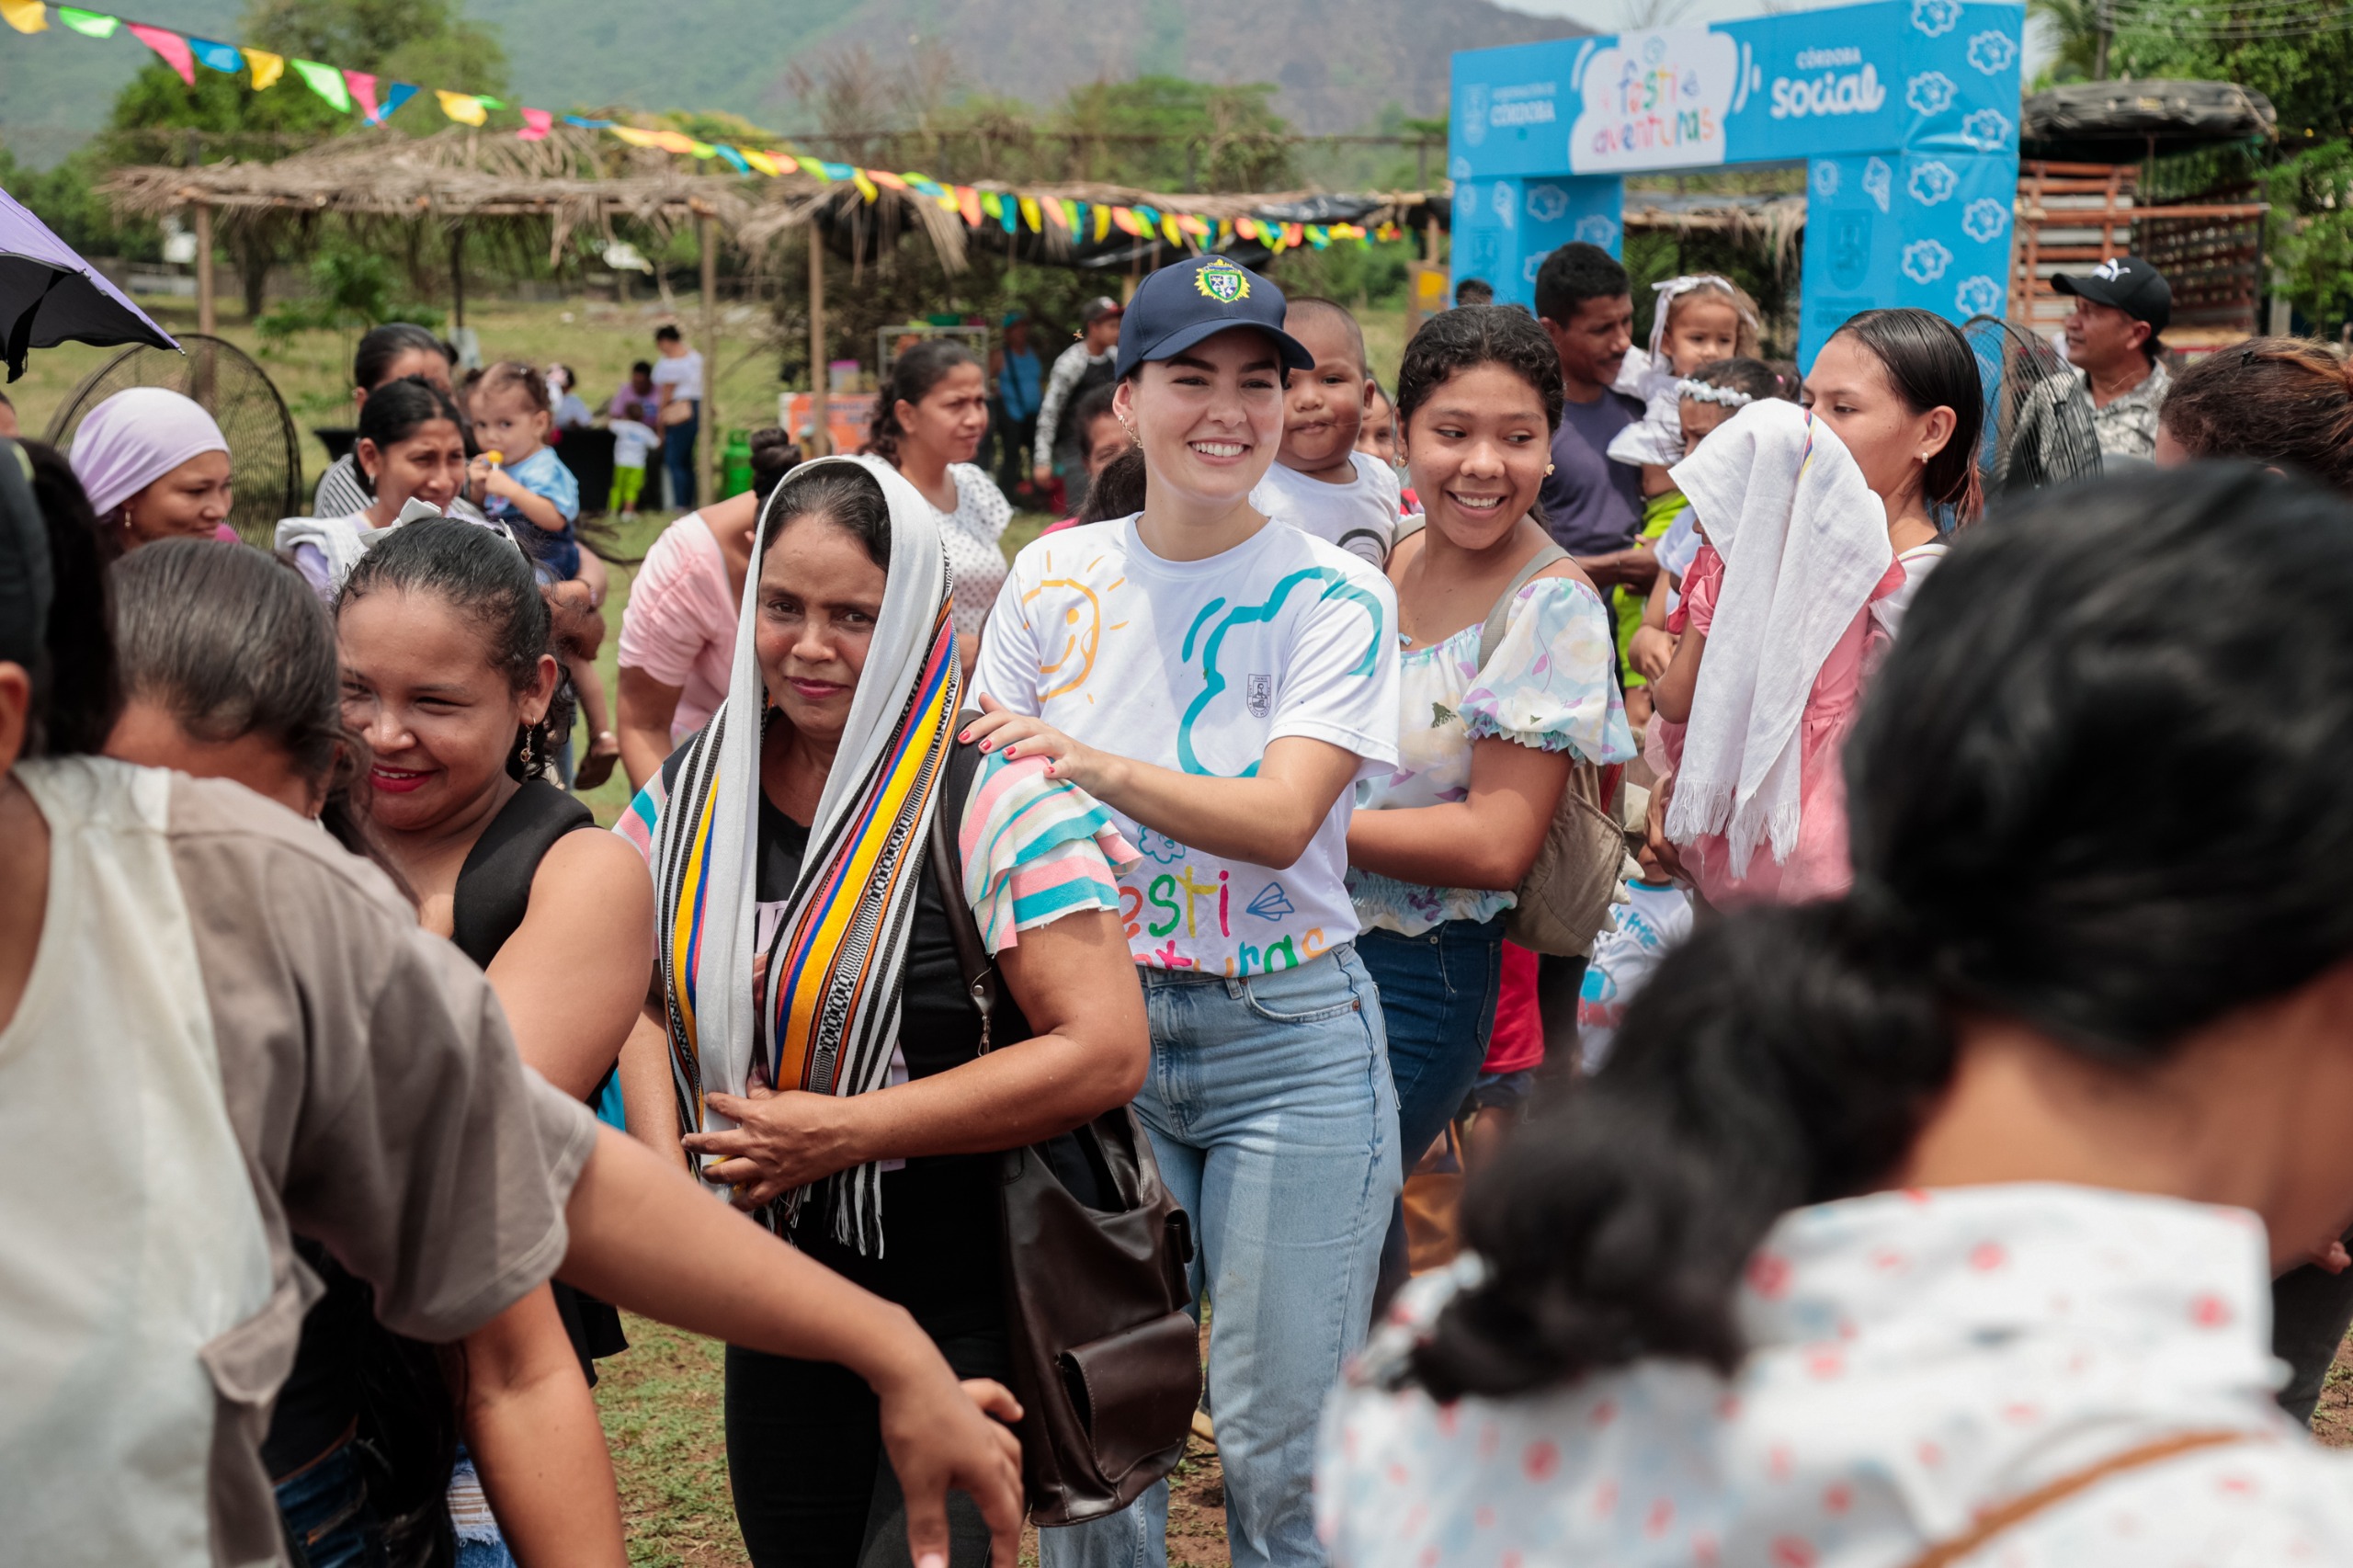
[576,180]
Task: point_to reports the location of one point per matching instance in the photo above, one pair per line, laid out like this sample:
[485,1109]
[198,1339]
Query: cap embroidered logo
[1223,281]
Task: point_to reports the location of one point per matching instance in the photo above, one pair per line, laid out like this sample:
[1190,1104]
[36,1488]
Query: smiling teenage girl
[1219,682]
[412,445]
[1484,745]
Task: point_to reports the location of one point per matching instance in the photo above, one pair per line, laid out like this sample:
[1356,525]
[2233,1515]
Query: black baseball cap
[1098,308]
[2127,282]
[1179,306]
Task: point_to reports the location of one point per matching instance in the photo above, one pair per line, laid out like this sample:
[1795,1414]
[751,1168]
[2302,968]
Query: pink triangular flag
[171,46]
[363,91]
[536,123]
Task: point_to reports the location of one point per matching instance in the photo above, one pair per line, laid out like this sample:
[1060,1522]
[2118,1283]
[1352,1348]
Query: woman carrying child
[1699,320]
[1219,682]
[1800,534]
[521,483]
[1489,724]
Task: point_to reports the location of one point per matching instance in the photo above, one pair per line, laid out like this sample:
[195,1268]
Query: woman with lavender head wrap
[156,466]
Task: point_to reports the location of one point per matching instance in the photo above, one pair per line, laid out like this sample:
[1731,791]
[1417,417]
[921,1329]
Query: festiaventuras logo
[1656,100]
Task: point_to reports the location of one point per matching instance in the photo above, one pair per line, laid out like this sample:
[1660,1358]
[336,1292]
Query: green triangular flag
[326,81]
[89,24]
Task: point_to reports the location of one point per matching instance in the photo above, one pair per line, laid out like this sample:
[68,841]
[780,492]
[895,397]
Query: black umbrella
[49,295]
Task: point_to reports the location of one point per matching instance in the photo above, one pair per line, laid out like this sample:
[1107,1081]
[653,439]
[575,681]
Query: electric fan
[2039,428]
[265,449]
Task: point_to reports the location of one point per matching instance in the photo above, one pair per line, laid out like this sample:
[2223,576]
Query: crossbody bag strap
[1499,617]
[2019,1510]
[973,960]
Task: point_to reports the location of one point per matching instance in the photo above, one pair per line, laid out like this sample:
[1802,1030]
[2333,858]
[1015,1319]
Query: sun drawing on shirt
[1080,632]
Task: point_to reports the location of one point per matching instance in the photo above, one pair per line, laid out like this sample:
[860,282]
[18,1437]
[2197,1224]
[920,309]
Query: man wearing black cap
[1080,368]
[2122,307]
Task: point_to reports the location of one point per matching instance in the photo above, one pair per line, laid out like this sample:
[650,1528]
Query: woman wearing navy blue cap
[1219,684]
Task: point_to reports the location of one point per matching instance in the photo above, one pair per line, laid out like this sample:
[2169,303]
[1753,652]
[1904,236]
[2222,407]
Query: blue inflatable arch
[1905,112]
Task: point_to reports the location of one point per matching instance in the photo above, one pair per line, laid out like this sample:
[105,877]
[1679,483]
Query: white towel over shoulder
[1805,542]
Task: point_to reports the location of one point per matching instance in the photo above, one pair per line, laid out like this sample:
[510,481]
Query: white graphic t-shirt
[1360,517]
[1195,665]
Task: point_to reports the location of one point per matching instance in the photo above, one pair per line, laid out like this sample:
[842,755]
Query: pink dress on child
[1818,867]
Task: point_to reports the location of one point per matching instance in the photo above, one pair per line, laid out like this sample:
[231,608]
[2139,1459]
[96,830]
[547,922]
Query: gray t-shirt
[1590,504]
[375,1092]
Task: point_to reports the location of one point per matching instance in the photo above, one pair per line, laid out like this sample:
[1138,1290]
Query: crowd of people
[1878,953]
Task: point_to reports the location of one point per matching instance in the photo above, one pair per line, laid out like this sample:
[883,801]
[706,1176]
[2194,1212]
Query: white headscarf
[1805,542]
[134,438]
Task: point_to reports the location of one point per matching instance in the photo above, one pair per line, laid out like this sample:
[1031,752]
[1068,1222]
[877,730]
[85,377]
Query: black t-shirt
[939,1213]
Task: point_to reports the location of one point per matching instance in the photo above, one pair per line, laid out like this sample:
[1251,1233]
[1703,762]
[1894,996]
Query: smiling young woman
[1437,846]
[155,466]
[1220,681]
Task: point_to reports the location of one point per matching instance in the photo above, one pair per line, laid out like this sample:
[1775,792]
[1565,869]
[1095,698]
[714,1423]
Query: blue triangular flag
[225,58]
[395,94]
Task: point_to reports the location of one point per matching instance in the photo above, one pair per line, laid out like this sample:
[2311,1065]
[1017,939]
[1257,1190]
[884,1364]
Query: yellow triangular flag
[865,187]
[25,16]
[1029,213]
[463,108]
[267,67]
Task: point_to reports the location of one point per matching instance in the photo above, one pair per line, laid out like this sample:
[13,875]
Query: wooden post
[458,276]
[705,238]
[821,438]
[204,302]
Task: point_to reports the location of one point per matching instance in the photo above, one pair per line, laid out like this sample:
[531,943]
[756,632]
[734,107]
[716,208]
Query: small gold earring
[1548,471]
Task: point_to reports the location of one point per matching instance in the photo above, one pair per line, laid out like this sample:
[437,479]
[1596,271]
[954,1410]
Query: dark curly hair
[913,375]
[2284,402]
[1468,337]
[481,571]
[2063,810]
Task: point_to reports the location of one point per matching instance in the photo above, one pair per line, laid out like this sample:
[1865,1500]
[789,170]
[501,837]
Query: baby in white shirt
[1319,482]
[1699,320]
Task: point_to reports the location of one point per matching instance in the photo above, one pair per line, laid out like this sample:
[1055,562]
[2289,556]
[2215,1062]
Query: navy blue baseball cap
[1179,306]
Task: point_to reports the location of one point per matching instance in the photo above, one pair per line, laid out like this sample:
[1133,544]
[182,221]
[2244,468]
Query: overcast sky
[1616,16]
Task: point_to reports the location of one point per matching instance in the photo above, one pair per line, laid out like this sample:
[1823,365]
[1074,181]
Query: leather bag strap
[2019,1510]
[973,959]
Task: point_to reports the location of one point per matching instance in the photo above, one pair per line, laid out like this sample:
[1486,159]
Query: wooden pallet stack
[2071,217]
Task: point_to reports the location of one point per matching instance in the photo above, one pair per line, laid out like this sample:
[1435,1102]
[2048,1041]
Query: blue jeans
[679,459]
[325,1511]
[1438,999]
[1270,1111]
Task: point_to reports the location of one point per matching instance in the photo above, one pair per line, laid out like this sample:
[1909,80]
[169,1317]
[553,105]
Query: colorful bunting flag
[734,159]
[865,187]
[89,24]
[326,81]
[762,161]
[1102,223]
[993,204]
[221,57]
[1057,213]
[25,16]
[361,85]
[267,67]
[171,46]
[536,125]
[1169,231]
[887,180]
[1029,215]
[968,202]
[1127,221]
[463,108]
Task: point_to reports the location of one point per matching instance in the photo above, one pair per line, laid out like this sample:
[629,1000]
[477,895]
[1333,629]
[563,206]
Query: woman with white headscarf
[830,1065]
[155,466]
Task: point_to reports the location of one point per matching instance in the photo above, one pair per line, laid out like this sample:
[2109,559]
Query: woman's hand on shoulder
[1018,735]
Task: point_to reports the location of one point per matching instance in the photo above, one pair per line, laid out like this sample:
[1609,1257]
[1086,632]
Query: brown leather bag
[1105,1359]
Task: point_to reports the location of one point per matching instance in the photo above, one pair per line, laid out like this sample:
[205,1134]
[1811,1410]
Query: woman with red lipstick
[448,676]
[846,1089]
[1493,719]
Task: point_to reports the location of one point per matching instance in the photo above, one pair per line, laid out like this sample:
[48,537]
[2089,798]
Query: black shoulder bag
[1105,1356]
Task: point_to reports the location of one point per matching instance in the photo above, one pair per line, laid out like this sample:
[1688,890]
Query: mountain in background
[1338,63]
